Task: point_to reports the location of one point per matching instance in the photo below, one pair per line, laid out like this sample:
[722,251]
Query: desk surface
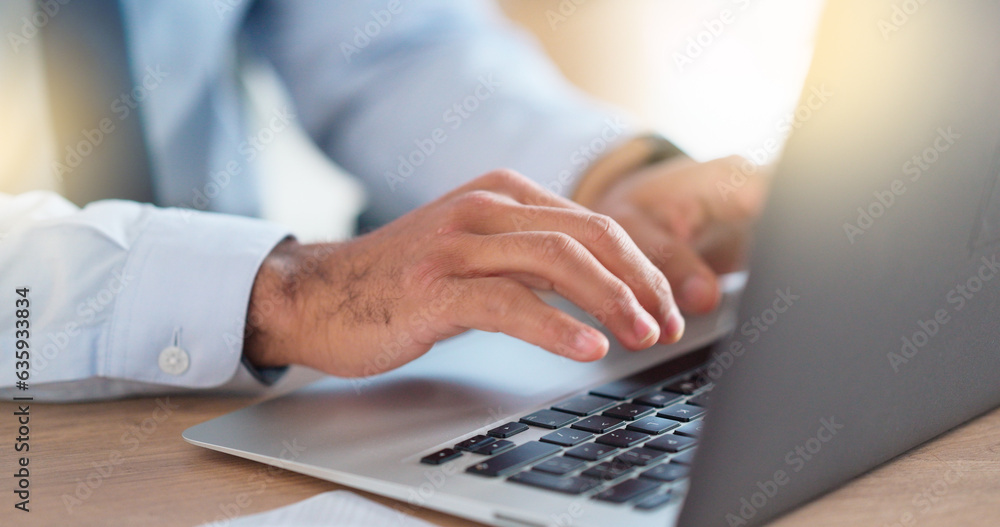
[142,472]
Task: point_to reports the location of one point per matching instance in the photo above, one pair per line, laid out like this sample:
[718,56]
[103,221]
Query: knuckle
[475,200]
[444,260]
[618,293]
[426,273]
[659,283]
[644,269]
[557,247]
[553,325]
[601,229]
[502,178]
[469,205]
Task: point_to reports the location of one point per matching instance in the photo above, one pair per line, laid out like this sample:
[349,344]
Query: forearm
[445,92]
[274,300]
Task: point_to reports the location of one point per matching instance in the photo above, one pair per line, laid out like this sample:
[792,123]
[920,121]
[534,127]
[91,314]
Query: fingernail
[646,329]
[674,328]
[696,290]
[587,342]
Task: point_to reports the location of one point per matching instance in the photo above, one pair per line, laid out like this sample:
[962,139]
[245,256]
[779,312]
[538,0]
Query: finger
[574,273]
[732,188]
[695,284]
[724,247]
[534,282]
[724,190]
[503,305]
[521,190]
[606,241]
[739,186]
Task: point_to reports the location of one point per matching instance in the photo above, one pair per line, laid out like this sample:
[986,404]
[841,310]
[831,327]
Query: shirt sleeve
[126,298]
[417,97]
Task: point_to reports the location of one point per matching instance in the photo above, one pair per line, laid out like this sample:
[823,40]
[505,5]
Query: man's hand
[466,261]
[689,219]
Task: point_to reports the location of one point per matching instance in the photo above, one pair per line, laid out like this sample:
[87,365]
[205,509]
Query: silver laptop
[868,325]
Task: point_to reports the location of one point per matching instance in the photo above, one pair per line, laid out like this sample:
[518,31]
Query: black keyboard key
[690,385]
[666,472]
[654,501]
[567,437]
[572,485]
[474,442]
[511,461]
[659,399]
[653,425]
[691,429]
[441,456]
[701,399]
[584,405]
[682,412]
[494,448]
[560,465]
[591,451]
[640,457]
[643,381]
[508,430]
[684,458]
[623,389]
[548,419]
[626,388]
[636,384]
[608,471]
[598,424]
[671,443]
[622,438]
[629,411]
[627,490]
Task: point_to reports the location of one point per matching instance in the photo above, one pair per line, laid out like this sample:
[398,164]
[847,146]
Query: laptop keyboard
[629,442]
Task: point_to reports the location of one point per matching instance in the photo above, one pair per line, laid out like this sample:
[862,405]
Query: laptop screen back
[869,324]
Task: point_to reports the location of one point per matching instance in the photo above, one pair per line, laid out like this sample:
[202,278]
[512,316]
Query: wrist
[643,150]
[270,314]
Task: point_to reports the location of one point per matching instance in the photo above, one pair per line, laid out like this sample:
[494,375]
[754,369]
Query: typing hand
[465,261]
[691,219]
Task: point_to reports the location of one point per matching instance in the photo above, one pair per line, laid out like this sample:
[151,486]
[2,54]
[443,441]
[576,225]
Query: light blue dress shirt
[414,97]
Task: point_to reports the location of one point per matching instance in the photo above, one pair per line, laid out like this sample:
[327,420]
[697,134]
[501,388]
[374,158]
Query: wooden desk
[162,480]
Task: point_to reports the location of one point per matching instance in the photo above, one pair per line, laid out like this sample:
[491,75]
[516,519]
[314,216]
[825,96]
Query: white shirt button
[174,360]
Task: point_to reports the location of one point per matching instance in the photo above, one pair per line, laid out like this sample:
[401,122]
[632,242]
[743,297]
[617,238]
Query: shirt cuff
[265,376]
[181,312]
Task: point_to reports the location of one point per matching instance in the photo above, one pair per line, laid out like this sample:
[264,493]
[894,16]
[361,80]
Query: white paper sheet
[340,508]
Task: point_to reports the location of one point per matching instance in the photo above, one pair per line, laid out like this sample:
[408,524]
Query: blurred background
[717,77]
[714,76]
